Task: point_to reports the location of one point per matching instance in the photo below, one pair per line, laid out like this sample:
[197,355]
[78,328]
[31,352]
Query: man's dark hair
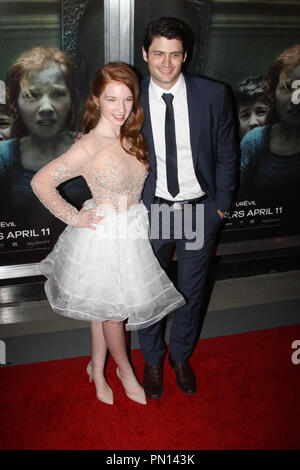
[170,28]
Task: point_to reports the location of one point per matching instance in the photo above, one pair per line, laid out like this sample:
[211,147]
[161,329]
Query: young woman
[103,268]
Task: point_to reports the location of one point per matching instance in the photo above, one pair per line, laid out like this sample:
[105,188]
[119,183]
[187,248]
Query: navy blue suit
[214,150]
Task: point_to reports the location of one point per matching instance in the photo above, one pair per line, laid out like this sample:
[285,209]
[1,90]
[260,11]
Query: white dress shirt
[189,187]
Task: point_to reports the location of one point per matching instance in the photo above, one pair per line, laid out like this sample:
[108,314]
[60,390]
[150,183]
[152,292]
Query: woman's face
[287,110]
[45,109]
[115,104]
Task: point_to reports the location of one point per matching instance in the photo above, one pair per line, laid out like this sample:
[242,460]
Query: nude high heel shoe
[107,396]
[138,395]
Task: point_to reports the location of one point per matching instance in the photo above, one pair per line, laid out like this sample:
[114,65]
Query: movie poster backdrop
[40,116]
[265,203]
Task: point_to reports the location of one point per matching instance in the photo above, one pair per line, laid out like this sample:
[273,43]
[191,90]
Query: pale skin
[115,105]
[252,115]
[44,107]
[165,58]
[5,125]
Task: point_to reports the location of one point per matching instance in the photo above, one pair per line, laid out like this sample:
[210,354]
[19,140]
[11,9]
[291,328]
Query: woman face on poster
[287,97]
[45,103]
[43,100]
[270,156]
[284,115]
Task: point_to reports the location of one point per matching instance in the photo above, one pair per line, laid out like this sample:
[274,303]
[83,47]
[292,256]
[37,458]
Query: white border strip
[19,270]
[119,30]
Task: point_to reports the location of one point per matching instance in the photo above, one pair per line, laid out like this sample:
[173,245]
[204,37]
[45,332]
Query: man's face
[165,58]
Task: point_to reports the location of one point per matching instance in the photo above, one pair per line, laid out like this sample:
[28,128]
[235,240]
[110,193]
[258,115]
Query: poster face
[43,91]
[266,203]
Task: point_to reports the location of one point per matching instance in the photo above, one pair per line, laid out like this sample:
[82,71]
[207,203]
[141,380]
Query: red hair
[131,129]
[288,59]
[18,77]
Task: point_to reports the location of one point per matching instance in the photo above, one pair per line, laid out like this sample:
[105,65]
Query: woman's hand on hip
[88,218]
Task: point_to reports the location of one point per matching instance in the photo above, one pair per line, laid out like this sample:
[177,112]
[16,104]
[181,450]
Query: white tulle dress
[110,273]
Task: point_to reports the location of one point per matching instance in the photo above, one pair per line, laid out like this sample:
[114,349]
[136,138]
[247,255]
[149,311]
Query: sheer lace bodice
[111,174]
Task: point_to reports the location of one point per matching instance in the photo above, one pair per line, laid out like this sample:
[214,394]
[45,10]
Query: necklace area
[107,136]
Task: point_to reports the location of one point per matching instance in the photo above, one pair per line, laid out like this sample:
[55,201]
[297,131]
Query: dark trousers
[192,269]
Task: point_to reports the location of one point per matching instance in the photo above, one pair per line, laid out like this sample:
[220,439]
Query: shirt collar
[156,91]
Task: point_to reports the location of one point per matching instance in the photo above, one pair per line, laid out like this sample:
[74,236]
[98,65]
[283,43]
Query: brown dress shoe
[153,381]
[185,377]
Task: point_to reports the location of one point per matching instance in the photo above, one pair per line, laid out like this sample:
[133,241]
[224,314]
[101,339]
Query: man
[191,139]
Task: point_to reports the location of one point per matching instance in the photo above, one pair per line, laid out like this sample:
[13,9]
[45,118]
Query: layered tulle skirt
[110,273]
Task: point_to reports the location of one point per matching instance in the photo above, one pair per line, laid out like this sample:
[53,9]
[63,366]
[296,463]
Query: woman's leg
[99,348]
[116,343]
[96,368]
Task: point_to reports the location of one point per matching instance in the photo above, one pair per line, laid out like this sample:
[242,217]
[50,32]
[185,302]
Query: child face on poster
[253,103]
[5,123]
[251,115]
[44,103]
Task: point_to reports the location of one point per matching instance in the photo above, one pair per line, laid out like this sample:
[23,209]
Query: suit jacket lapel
[194,117]
[147,128]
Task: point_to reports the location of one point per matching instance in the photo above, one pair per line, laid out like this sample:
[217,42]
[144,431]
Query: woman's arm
[46,180]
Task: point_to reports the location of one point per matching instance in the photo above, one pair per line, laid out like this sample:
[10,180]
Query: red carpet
[248,398]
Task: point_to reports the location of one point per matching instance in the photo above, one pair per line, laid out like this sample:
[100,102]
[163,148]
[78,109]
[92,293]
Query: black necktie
[171,150]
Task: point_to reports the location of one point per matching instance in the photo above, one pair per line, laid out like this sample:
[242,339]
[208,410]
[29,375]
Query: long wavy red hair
[131,129]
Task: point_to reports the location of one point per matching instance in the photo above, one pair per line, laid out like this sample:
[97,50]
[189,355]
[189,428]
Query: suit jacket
[212,136]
